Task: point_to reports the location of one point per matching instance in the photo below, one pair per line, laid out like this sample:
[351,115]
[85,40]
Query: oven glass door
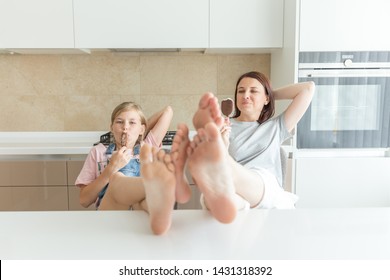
[346,112]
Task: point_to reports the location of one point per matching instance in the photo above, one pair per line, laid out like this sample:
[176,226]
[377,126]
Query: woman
[248,175]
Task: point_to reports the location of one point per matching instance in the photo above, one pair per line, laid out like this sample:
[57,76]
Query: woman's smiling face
[251,98]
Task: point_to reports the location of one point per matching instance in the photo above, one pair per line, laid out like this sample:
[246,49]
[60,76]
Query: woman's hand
[225,132]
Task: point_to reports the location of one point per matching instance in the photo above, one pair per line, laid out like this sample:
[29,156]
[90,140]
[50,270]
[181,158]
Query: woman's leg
[247,184]
[208,111]
[218,176]
[214,173]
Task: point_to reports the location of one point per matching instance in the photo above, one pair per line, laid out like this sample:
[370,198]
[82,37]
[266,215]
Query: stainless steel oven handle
[347,64]
[348,73]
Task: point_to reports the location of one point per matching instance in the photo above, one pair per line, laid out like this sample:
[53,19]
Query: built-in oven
[351,105]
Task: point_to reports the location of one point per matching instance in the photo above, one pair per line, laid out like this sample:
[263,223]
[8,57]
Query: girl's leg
[179,157]
[122,192]
[157,172]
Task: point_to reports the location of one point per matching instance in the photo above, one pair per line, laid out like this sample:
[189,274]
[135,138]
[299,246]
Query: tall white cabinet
[141,24]
[36,24]
[344,25]
[334,25]
[355,181]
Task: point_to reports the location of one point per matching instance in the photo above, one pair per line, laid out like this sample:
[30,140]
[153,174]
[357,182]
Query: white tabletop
[257,234]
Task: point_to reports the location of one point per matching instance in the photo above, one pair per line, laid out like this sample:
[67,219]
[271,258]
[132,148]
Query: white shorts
[246,205]
[274,196]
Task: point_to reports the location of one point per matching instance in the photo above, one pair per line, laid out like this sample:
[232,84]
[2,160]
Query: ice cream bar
[227,107]
[124,139]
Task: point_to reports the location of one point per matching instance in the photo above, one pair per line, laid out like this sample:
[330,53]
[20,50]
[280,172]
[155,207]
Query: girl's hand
[120,158]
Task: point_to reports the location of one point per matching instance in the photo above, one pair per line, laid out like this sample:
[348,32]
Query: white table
[362,233]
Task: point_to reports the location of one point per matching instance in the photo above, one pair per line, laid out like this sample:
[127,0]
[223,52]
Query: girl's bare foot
[179,158]
[208,165]
[208,111]
[157,172]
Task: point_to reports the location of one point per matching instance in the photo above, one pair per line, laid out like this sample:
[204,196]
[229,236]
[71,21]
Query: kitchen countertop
[48,143]
[322,234]
[22,145]
[27,145]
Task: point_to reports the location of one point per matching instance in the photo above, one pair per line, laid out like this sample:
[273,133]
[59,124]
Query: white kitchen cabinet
[33,185]
[34,198]
[74,167]
[343,182]
[36,24]
[246,24]
[344,25]
[141,24]
[40,185]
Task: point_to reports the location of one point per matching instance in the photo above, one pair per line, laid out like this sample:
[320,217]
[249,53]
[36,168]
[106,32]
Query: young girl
[128,127]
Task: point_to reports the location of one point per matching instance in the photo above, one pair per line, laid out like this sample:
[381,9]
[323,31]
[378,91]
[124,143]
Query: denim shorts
[131,169]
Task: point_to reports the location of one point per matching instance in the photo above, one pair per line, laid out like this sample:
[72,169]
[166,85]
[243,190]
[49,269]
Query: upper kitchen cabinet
[250,24]
[344,25]
[141,24]
[36,24]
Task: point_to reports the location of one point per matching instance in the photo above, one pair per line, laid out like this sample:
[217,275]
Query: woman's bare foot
[208,165]
[208,111]
[179,158]
[157,171]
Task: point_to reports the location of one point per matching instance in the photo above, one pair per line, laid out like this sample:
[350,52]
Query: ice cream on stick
[227,107]
[124,139]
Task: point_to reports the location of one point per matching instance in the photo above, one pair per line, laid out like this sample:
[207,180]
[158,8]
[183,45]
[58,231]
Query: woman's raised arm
[301,95]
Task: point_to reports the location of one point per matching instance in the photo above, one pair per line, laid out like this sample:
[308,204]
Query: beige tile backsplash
[78,92]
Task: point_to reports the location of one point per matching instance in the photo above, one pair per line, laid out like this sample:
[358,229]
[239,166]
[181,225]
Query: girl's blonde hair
[130,106]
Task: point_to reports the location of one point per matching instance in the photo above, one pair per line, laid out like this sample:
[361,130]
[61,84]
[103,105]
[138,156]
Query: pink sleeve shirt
[96,161]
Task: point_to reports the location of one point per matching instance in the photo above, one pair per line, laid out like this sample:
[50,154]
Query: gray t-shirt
[257,146]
